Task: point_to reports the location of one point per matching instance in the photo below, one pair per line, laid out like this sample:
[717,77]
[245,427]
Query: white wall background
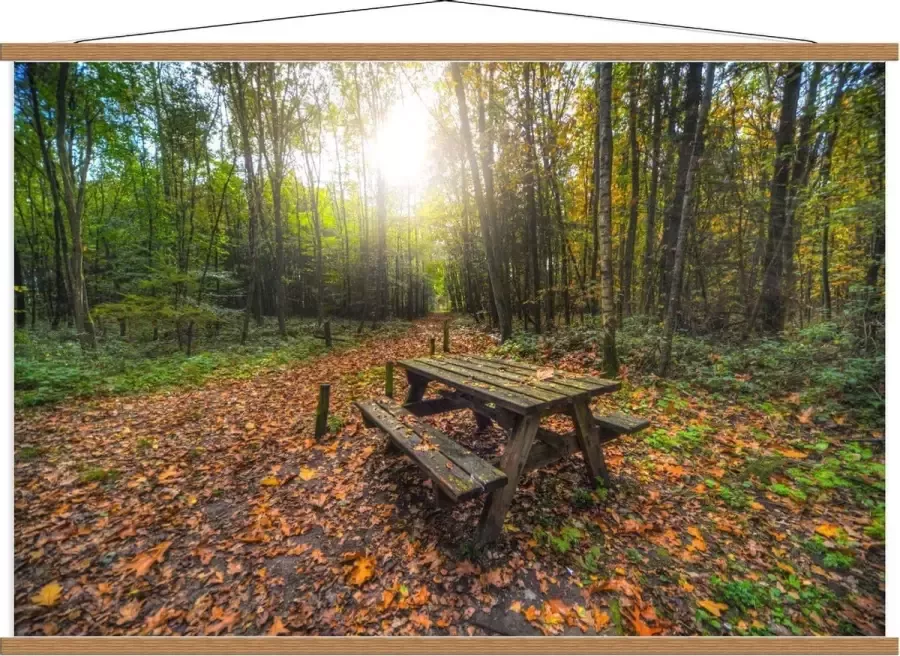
[58,20]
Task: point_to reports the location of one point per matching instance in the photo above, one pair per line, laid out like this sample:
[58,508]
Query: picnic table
[514,395]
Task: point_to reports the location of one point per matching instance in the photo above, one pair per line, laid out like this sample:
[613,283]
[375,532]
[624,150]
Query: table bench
[456,473]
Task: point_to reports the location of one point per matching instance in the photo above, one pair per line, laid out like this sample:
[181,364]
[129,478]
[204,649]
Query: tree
[772,301]
[603,182]
[74,178]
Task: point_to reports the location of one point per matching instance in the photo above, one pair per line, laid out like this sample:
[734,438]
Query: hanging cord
[549,12]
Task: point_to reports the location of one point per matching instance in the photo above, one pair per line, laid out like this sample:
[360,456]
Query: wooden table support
[512,463]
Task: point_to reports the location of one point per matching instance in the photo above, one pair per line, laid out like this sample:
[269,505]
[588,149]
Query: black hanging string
[550,12]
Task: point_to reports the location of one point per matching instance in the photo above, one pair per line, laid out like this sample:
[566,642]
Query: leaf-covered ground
[212,511]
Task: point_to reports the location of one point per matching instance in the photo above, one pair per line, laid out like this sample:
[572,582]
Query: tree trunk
[650,224]
[634,163]
[772,301]
[73,196]
[604,217]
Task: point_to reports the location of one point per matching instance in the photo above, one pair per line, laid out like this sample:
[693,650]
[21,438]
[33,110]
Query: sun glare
[401,144]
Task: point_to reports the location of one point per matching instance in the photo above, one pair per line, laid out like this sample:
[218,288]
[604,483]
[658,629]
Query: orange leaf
[130,611]
[420,620]
[362,570]
[225,624]
[601,619]
[712,607]
[278,627]
[142,563]
[793,454]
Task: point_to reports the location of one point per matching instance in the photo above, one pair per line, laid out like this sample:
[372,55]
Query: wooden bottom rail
[439,645]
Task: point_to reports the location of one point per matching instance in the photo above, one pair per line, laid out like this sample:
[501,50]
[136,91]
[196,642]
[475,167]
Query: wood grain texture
[449,51]
[850,646]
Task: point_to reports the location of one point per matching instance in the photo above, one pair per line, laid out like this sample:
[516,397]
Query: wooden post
[322,410]
[328,334]
[431,345]
[446,335]
[389,379]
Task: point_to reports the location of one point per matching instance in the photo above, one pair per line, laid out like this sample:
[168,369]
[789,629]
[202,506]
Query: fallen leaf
[362,570]
[225,624]
[793,454]
[601,619]
[130,611]
[829,531]
[49,595]
[142,563]
[269,481]
[713,607]
[420,620]
[277,628]
[307,474]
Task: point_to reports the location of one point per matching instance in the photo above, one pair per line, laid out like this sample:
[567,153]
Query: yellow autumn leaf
[793,454]
[362,570]
[784,567]
[828,530]
[712,607]
[307,474]
[684,585]
[49,595]
[269,481]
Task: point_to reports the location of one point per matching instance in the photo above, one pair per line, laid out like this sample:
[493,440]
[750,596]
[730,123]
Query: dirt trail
[218,514]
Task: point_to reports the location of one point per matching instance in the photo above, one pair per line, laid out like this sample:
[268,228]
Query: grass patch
[50,366]
[98,475]
[27,453]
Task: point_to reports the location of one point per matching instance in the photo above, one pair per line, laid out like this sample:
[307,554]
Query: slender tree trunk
[772,301]
[604,217]
[650,224]
[73,196]
[634,164]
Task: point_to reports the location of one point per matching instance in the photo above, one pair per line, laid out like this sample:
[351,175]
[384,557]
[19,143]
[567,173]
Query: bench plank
[586,383]
[619,423]
[556,385]
[459,473]
[518,403]
[526,389]
[490,477]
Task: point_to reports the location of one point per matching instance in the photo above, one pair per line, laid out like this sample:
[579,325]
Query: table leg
[589,441]
[417,386]
[482,421]
[513,464]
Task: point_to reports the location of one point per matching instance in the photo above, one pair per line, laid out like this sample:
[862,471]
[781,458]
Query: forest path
[212,511]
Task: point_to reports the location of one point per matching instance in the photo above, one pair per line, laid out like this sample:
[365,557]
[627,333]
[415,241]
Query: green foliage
[51,366]
[783,490]
[686,439]
[734,498]
[827,365]
[744,595]
[592,560]
[876,530]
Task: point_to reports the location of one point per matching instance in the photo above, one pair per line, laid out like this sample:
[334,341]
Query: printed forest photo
[449,348]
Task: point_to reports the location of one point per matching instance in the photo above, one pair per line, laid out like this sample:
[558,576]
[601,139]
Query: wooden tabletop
[519,387]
